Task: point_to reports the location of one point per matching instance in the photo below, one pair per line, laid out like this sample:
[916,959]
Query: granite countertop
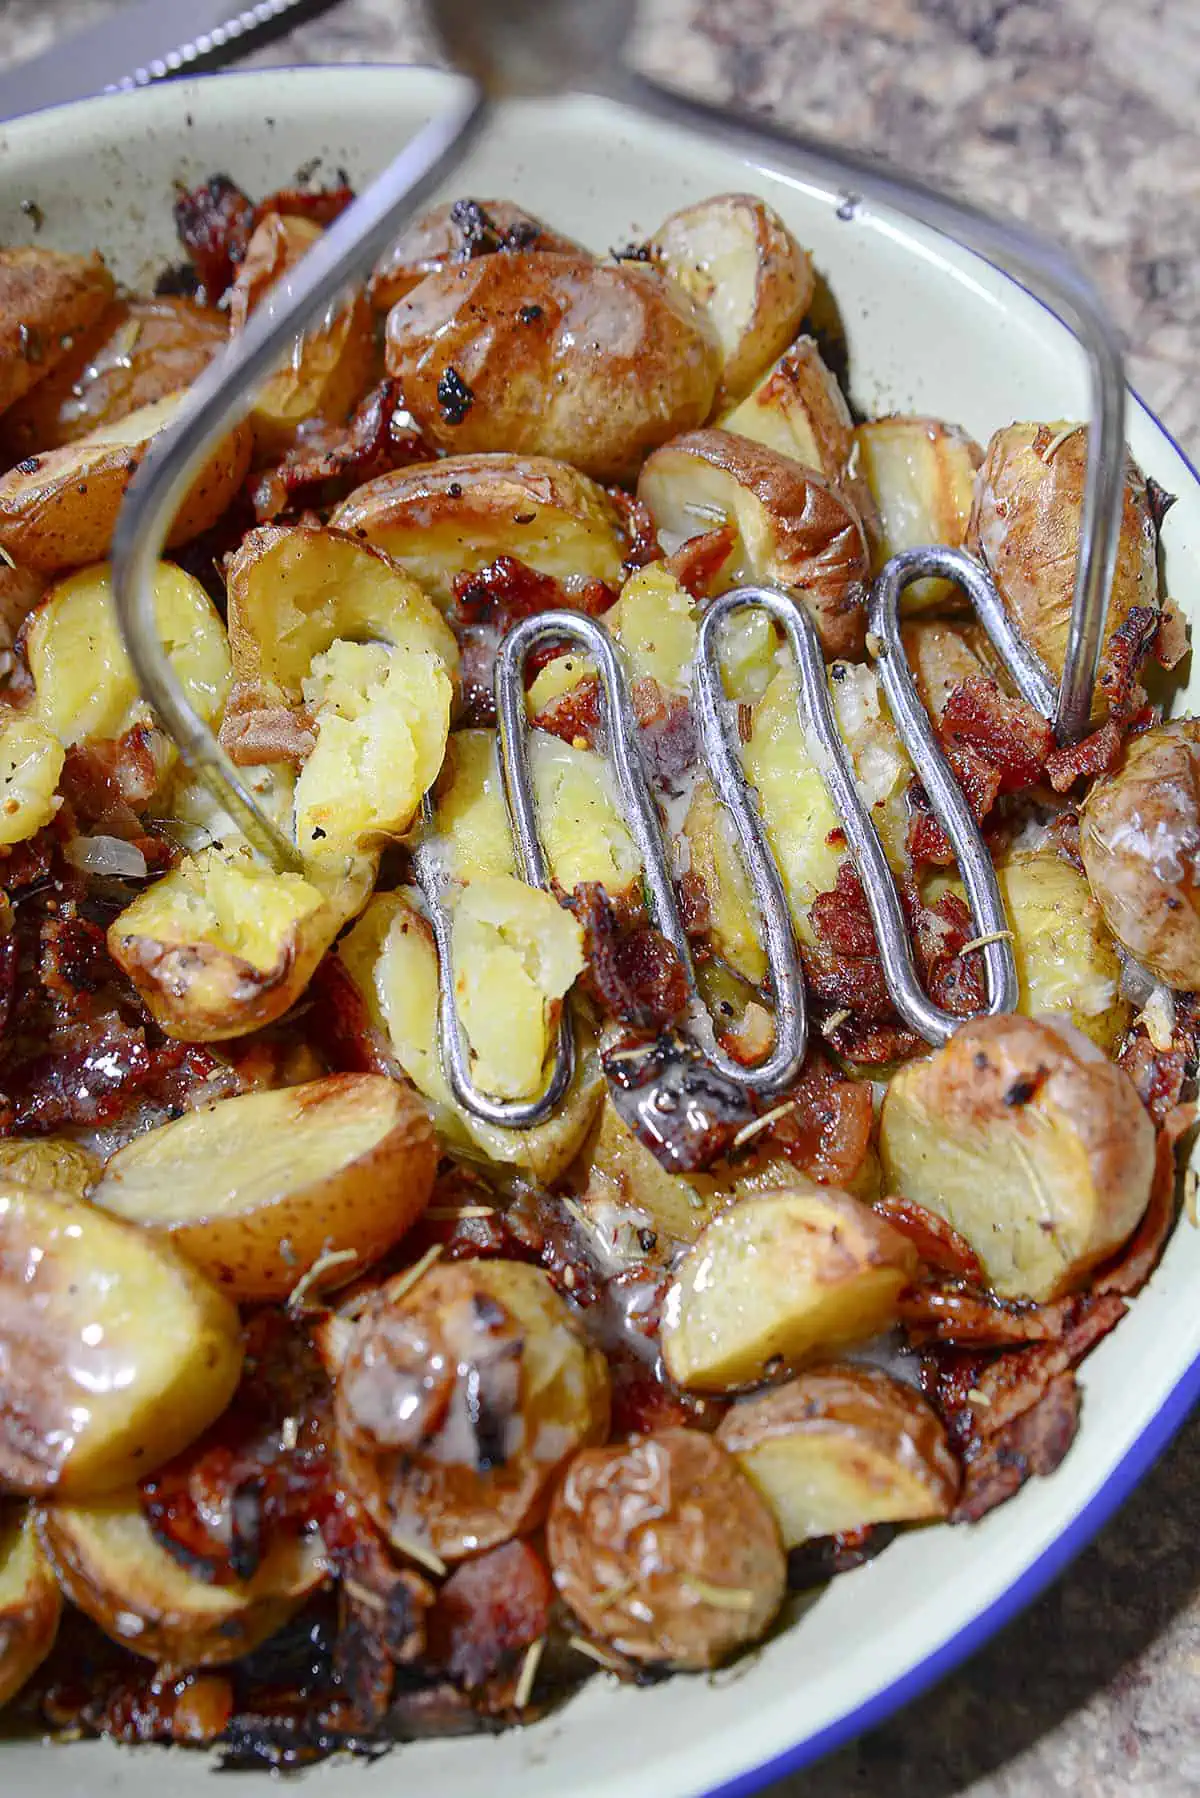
[1082,116]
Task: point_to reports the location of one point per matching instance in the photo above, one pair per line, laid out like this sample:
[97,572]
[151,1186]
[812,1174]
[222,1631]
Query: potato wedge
[842,1447]
[46,301]
[552,355]
[777,1279]
[921,475]
[794,530]
[1024,527]
[737,259]
[441,519]
[459,231]
[112,1567]
[118,1352]
[30,1601]
[58,510]
[1139,836]
[459,1400]
[258,1189]
[31,760]
[52,1164]
[1029,1142]
[139,350]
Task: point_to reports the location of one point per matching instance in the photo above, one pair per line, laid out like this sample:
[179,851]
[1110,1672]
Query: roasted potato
[553,355]
[30,1601]
[459,231]
[1024,527]
[921,475]
[53,1164]
[118,1352]
[1139,836]
[139,350]
[113,1568]
[737,259]
[31,760]
[941,656]
[259,1189]
[842,1447]
[777,1279]
[664,1549]
[459,1400]
[794,530]
[58,510]
[46,301]
[442,519]
[331,365]
[1029,1143]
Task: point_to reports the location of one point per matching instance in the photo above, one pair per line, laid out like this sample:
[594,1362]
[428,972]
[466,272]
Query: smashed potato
[458,231]
[31,761]
[921,475]
[52,1164]
[46,300]
[30,1601]
[1066,960]
[1029,1143]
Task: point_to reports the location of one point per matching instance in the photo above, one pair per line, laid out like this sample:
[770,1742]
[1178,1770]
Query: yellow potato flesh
[52,1163]
[30,1602]
[922,476]
[31,760]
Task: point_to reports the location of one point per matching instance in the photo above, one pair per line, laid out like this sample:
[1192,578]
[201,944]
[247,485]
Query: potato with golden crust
[46,300]
[841,1447]
[1139,836]
[111,1566]
[58,510]
[794,530]
[553,355]
[737,259]
[920,473]
[30,1601]
[780,1277]
[31,761]
[1024,527]
[1029,1142]
[458,231]
[53,1164]
[259,1189]
[460,1398]
[118,1352]
[441,519]
[141,348]
[665,1550]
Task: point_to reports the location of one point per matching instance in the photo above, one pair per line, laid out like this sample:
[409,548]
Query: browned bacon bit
[382,1612]
[940,932]
[1159,501]
[214,223]
[108,784]
[644,1400]
[340,1024]
[845,976]
[486,1617]
[1131,1269]
[938,1245]
[508,589]
[576,716]
[698,563]
[969,1316]
[1006,732]
[633,973]
[669,742]
[1033,1443]
[685,1111]
[1095,754]
[695,908]
[813,1563]
[74,961]
[823,1123]
[192,1710]
[333,458]
[641,538]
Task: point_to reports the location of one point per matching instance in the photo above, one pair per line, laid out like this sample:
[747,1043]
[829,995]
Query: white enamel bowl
[930,329]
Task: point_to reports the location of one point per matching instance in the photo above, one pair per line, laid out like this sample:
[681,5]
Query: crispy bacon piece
[340,1026]
[824,1123]
[967,1315]
[382,1613]
[814,1563]
[1096,754]
[633,973]
[93,1686]
[108,784]
[576,716]
[669,742]
[332,459]
[641,538]
[490,1611]
[1124,657]
[1033,1443]
[938,1245]
[214,223]
[697,563]
[1005,732]
[643,1401]
[507,590]
[685,1111]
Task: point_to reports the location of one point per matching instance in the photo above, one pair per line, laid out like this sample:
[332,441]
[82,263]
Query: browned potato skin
[138,350]
[30,1601]
[238,996]
[439,239]
[594,365]
[816,548]
[46,300]
[20,591]
[1139,836]
[631,1528]
[1024,526]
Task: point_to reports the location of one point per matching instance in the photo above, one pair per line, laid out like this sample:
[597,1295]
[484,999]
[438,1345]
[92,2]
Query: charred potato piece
[794,530]
[53,1164]
[921,475]
[1139,836]
[139,350]
[58,510]
[442,519]
[260,1189]
[31,761]
[458,231]
[1029,1143]
[1024,527]
[665,1549]
[552,355]
[840,1448]
[459,1400]
[118,1352]
[737,259]
[30,1601]
[46,301]
[113,1568]
[779,1278]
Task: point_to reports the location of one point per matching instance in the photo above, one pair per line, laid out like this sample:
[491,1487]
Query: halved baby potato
[842,1447]
[794,529]
[258,1189]
[441,519]
[458,231]
[737,259]
[53,1164]
[118,1352]
[777,1279]
[58,510]
[112,1567]
[1029,1142]
[46,300]
[30,1601]
[921,474]
[31,760]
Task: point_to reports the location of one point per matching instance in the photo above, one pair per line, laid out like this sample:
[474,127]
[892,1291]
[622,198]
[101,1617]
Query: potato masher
[545,47]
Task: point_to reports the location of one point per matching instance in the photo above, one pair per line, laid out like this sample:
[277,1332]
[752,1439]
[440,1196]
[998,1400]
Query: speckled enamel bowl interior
[930,329]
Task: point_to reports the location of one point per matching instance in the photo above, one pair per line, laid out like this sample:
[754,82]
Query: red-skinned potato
[30,1601]
[46,300]
[459,231]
